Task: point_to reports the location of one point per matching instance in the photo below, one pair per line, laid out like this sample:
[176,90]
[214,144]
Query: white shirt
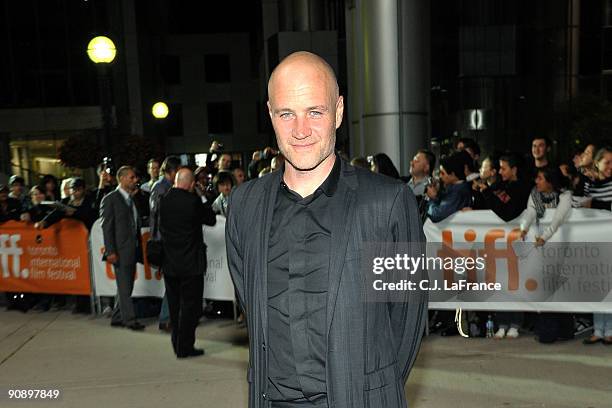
[130,202]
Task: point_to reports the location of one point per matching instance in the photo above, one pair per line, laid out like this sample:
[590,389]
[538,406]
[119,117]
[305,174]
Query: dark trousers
[185,304]
[124,307]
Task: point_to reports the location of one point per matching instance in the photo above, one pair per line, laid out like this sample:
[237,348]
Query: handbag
[155,247]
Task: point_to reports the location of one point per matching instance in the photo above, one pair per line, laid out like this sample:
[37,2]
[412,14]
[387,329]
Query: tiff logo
[490,252]
[10,249]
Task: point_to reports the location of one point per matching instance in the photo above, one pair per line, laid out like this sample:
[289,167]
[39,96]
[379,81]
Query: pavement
[94,365]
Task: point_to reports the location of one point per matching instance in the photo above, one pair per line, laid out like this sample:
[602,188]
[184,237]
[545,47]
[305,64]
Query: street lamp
[101,50]
[160,110]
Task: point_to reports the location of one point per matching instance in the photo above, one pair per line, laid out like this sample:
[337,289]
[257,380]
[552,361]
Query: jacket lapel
[342,214]
[261,279]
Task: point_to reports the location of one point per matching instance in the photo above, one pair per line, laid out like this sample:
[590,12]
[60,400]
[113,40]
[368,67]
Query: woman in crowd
[489,177]
[381,163]
[456,194]
[40,214]
[223,183]
[51,187]
[547,193]
[81,205]
[507,199]
[599,192]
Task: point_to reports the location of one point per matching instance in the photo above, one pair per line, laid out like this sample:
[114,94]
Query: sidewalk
[96,365]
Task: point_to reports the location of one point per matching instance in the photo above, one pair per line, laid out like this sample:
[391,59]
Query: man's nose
[302,128]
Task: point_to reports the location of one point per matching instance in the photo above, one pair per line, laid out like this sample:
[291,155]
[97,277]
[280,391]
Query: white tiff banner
[569,280]
[148,282]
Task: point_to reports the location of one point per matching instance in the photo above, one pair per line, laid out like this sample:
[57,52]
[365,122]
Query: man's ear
[339,111]
[270,110]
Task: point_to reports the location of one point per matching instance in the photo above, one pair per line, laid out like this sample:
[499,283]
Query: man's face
[447,178]
[486,170]
[224,188]
[419,166]
[128,181]
[506,172]
[538,149]
[225,162]
[77,193]
[17,189]
[239,176]
[153,170]
[305,115]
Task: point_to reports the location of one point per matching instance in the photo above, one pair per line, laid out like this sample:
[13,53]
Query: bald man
[182,214]
[295,239]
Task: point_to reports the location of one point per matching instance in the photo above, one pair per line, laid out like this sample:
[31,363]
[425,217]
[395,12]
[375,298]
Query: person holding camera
[456,194]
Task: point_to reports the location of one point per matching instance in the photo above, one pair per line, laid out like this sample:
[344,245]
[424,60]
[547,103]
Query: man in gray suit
[121,229]
[295,239]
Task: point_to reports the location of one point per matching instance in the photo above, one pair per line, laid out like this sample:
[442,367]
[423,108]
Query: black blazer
[371,347]
[181,215]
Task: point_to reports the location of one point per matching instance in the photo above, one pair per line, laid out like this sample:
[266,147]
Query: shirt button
[263,346]
[264,396]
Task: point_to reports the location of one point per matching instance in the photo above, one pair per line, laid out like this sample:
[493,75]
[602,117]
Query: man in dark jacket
[182,214]
[10,208]
[295,240]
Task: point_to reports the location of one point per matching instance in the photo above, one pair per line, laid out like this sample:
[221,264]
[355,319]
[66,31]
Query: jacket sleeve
[52,218]
[561,213]
[529,216]
[207,215]
[445,207]
[107,216]
[234,255]
[154,200]
[601,205]
[506,211]
[408,313]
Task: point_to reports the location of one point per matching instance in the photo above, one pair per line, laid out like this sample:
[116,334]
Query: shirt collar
[328,187]
[125,194]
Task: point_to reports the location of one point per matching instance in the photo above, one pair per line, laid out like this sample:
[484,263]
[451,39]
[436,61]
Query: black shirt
[298,270]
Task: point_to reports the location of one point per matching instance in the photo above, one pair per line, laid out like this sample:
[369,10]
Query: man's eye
[316,114]
[286,115]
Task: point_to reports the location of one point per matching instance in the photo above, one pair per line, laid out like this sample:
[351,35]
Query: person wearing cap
[10,208]
[17,186]
[81,205]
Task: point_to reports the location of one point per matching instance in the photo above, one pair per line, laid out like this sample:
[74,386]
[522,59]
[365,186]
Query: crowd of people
[511,186]
[506,183]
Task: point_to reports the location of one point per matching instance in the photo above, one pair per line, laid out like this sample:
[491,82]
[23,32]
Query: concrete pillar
[388,51]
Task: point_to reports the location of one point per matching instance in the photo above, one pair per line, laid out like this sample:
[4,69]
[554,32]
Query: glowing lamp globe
[101,50]
[160,110]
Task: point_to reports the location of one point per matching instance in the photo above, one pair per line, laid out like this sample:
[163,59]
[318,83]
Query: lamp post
[101,50]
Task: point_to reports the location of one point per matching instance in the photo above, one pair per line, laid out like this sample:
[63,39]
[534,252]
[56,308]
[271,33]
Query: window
[170,67]
[174,121]
[217,68]
[220,118]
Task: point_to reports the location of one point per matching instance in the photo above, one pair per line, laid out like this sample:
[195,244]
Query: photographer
[106,184]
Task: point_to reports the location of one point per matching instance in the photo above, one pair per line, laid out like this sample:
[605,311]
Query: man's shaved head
[306,109]
[184,179]
[303,60]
